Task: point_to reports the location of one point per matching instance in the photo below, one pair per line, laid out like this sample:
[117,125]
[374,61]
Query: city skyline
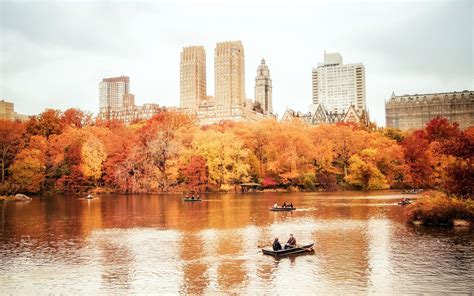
[404,47]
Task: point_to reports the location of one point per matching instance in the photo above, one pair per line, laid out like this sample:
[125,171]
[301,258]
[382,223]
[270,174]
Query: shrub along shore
[436,208]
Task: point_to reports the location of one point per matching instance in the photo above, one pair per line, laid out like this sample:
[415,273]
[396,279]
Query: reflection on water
[159,244]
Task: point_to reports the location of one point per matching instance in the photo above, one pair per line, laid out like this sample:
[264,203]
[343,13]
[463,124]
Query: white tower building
[338,86]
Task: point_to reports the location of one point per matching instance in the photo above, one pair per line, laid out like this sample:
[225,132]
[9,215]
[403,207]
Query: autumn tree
[76,118]
[418,158]
[46,124]
[196,173]
[93,155]
[159,138]
[28,170]
[225,157]
[363,171]
[10,138]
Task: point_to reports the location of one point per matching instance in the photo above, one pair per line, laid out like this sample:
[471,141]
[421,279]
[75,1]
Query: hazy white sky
[53,55]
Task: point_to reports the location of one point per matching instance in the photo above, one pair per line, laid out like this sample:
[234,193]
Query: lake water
[162,245]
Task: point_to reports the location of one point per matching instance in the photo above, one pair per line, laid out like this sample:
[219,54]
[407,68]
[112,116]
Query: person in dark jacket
[291,243]
[276,245]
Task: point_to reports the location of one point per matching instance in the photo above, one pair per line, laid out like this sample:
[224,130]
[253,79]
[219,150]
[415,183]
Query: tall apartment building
[192,77]
[112,91]
[338,86]
[229,71]
[415,111]
[263,88]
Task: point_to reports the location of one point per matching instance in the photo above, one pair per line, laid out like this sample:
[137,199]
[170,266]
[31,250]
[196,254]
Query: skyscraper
[229,71]
[338,86]
[112,91]
[263,88]
[192,77]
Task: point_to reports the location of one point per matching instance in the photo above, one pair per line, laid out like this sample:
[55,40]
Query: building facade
[130,114]
[263,88]
[211,113]
[338,86]
[319,115]
[192,78]
[112,91]
[229,71]
[7,111]
[415,111]
[117,103]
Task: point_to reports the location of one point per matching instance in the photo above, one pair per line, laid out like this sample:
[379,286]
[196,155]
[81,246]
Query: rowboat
[412,191]
[297,250]
[280,209]
[191,199]
[405,202]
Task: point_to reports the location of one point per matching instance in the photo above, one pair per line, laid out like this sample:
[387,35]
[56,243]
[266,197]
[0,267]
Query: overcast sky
[53,55]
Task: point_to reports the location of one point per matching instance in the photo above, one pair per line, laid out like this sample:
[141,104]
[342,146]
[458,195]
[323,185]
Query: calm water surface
[160,244]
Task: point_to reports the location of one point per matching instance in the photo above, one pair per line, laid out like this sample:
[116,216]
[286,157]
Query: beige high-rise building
[263,88]
[192,78]
[229,71]
[339,86]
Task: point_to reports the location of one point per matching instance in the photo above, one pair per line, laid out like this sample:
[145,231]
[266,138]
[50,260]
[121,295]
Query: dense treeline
[68,152]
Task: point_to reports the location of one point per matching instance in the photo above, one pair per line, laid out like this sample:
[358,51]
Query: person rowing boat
[276,245]
[291,243]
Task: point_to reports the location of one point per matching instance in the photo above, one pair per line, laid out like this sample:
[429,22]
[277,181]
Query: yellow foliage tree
[364,173]
[93,155]
[225,156]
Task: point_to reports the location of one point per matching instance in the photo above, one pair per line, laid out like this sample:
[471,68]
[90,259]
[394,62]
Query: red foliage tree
[418,159]
[196,173]
[440,129]
[76,118]
[46,124]
[10,138]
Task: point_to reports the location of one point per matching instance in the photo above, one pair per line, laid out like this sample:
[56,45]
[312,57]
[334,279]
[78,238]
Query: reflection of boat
[281,209]
[405,202]
[297,250]
[191,199]
[412,191]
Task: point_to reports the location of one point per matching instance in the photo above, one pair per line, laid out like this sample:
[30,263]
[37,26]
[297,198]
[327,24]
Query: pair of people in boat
[291,243]
[194,197]
[284,205]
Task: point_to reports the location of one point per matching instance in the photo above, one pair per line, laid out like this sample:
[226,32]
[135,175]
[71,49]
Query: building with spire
[263,88]
[192,78]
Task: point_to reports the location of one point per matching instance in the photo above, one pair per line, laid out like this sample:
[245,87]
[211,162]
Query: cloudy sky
[54,54]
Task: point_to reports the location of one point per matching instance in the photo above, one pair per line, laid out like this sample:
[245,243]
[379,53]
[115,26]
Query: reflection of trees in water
[343,255]
[117,264]
[196,278]
[231,274]
[195,275]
